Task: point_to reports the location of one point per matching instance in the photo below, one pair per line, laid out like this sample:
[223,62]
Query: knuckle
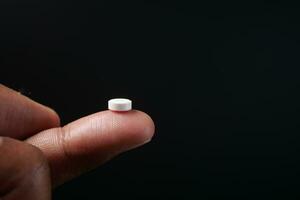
[62,142]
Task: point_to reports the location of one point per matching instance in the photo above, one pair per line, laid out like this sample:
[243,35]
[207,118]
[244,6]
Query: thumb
[24,172]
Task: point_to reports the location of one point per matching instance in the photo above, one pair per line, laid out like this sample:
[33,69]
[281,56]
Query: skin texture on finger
[24,172]
[20,117]
[90,141]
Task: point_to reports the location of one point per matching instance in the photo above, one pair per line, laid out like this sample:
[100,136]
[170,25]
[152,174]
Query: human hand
[37,154]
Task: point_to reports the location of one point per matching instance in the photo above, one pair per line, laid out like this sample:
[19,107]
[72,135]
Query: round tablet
[119,104]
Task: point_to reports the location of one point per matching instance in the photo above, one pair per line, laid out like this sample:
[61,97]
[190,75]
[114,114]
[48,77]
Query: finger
[92,140]
[24,171]
[21,117]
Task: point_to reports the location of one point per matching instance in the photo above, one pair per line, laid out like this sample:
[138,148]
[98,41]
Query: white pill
[119,104]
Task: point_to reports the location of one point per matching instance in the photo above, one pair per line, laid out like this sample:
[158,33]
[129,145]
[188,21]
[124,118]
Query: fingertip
[54,117]
[47,117]
[135,128]
[146,124]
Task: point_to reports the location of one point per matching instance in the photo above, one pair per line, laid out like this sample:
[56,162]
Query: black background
[219,78]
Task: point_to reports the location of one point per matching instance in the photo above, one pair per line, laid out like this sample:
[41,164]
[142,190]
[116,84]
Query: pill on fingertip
[119,104]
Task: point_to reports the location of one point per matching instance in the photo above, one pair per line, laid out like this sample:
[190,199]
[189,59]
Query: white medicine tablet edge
[119,104]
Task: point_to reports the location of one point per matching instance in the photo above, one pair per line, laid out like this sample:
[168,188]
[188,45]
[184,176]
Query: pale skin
[38,154]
